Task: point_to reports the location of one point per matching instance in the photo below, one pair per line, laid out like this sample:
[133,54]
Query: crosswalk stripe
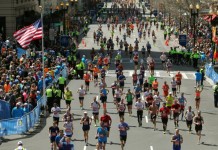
[184,76]
[157,74]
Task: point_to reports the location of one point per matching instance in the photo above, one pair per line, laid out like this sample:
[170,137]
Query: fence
[26,122]
[211,73]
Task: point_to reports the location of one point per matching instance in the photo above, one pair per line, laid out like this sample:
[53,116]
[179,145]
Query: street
[139,138]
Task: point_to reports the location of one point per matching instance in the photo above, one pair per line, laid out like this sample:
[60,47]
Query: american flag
[29,33]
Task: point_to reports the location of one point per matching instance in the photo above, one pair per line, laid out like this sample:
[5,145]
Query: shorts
[174,89]
[121,84]
[121,113]
[143,53]
[163,62]
[130,53]
[69,135]
[52,139]
[86,127]
[136,63]
[123,137]
[137,96]
[176,147]
[56,119]
[189,122]
[182,107]
[153,116]
[197,99]
[164,120]
[155,90]
[151,67]
[118,99]
[198,128]
[169,107]
[178,82]
[87,83]
[103,99]
[96,77]
[101,141]
[95,113]
[129,103]
[68,102]
[81,98]
[175,115]
[148,104]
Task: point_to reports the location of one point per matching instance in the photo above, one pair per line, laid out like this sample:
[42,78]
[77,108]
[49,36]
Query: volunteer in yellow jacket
[68,96]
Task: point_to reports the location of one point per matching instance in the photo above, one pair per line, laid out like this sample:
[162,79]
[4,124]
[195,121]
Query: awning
[210,18]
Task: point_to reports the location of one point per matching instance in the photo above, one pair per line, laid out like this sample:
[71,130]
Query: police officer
[58,97]
[20,146]
[215,91]
[195,57]
[61,83]
[49,95]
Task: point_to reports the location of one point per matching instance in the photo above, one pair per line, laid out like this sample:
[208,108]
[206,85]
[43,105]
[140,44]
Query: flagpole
[43,62]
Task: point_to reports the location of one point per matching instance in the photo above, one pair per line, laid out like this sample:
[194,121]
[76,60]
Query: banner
[5,111]
[20,52]
[65,40]
[183,40]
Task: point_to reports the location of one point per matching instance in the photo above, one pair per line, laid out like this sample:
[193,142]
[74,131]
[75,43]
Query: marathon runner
[82,93]
[106,121]
[153,109]
[102,133]
[95,105]
[68,127]
[86,122]
[129,98]
[177,140]
[178,77]
[53,132]
[164,116]
[182,102]
[139,106]
[176,112]
[198,121]
[189,115]
[123,127]
[121,107]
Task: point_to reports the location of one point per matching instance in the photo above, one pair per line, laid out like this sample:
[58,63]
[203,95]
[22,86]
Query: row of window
[22,1]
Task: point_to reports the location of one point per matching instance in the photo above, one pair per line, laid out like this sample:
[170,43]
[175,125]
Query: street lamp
[194,13]
[180,22]
[64,7]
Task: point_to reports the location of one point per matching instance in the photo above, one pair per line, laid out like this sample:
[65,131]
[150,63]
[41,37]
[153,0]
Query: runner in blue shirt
[121,79]
[102,133]
[198,77]
[123,127]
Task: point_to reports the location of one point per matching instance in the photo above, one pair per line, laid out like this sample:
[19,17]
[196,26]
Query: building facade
[10,10]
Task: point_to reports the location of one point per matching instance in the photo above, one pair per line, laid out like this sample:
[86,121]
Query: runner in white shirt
[55,110]
[173,86]
[121,107]
[163,59]
[82,93]
[68,128]
[139,106]
[189,115]
[117,95]
[157,99]
[95,105]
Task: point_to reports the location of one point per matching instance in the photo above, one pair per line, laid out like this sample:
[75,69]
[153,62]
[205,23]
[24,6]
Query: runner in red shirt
[165,88]
[164,116]
[176,111]
[107,121]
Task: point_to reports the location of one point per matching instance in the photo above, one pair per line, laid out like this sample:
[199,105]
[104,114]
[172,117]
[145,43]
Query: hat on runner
[170,92]
[85,112]
[20,143]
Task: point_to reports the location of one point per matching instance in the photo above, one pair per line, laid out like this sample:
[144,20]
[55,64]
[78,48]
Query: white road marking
[184,76]
[146,119]
[172,75]
[157,74]
[143,98]
[151,148]
[97,98]
[130,73]
[84,147]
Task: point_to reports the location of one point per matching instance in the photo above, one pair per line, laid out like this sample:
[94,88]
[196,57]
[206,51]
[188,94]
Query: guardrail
[25,123]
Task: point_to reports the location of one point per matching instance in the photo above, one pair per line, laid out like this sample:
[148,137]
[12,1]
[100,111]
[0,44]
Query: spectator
[17,111]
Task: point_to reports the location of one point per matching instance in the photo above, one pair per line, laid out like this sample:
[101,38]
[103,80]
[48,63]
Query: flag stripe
[29,33]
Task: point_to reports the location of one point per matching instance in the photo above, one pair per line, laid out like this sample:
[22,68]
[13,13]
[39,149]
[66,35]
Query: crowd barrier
[26,122]
[211,73]
[5,111]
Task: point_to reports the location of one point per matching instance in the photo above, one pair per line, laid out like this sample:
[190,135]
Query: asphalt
[139,138]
